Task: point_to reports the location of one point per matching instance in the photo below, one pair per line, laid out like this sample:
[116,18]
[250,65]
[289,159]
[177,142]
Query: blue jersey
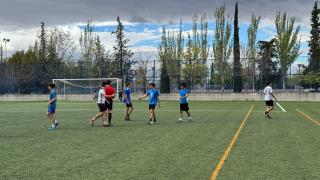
[182,93]
[53,94]
[127,92]
[153,96]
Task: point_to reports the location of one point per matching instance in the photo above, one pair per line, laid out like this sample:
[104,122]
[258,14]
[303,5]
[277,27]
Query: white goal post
[86,86]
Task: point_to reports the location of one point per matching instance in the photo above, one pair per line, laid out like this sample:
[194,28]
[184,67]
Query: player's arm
[52,100]
[146,95]
[274,96]
[185,96]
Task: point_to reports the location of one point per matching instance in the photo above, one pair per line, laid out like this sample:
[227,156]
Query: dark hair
[108,82]
[269,83]
[183,85]
[152,84]
[128,83]
[103,83]
[52,85]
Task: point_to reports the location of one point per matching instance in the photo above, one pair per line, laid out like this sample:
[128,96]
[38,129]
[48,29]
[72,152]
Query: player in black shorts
[101,105]
[184,102]
[268,96]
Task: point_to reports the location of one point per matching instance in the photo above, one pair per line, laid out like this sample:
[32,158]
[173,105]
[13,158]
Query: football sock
[110,117]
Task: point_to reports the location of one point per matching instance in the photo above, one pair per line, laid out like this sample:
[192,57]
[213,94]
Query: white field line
[281,107]
[139,110]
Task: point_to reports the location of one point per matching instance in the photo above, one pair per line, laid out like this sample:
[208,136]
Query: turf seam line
[228,149]
[308,117]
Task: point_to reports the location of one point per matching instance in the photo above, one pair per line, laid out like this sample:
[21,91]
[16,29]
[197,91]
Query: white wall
[173,97]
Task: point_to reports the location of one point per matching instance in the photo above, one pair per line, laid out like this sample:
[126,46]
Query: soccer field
[285,147]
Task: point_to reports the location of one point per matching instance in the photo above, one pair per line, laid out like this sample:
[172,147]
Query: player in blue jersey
[52,104]
[184,102]
[153,95]
[127,100]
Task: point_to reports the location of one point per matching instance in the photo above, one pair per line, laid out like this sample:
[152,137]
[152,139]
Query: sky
[143,19]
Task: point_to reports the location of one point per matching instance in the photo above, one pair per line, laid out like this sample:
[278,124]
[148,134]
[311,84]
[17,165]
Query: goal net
[84,86]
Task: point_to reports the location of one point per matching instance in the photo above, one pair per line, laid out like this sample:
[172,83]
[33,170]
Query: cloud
[30,13]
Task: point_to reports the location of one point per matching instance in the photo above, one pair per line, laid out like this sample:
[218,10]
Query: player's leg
[51,117]
[188,112]
[126,114]
[130,110]
[181,115]
[110,113]
[181,112]
[154,116]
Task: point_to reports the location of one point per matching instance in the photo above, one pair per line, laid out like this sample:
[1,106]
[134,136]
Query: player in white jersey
[101,101]
[268,95]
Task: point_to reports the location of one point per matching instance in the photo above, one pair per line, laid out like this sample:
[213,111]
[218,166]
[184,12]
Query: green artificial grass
[285,147]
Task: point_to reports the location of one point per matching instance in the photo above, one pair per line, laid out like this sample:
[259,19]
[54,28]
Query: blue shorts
[51,109]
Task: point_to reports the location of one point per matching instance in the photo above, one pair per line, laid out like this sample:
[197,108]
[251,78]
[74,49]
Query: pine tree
[237,82]
[122,54]
[314,43]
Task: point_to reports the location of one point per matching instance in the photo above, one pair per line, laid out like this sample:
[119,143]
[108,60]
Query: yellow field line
[308,117]
[228,149]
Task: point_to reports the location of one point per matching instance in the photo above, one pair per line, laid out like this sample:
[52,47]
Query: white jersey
[101,97]
[267,93]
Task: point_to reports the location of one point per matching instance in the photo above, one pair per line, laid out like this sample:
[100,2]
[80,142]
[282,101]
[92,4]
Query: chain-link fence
[23,78]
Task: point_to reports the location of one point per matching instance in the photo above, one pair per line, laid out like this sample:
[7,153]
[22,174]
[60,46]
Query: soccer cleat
[106,125]
[56,125]
[150,122]
[189,119]
[268,116]
[51,128]
[180,120]
[92,122]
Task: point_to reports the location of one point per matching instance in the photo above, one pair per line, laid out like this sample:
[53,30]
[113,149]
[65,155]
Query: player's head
[104,83]
[51,86]
[183,85]
[152,85]
[128,84]
[269,83]
[108,82]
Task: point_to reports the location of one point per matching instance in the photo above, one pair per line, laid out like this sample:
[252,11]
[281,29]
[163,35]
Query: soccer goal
[83,86]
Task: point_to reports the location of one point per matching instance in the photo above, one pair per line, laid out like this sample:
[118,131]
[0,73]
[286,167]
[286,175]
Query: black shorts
[269,103]
[184,107]
[152,106]
[129,105]
[109,105]
[102,107]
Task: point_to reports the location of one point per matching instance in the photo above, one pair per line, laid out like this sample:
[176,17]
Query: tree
[196,53]
[312,78]
[314,43]
[222,46]
[164,54]
[249,51]
[237,83]
[86,48]
[122,54]
[266,64]
[287,43]
[142,69]
[101,59]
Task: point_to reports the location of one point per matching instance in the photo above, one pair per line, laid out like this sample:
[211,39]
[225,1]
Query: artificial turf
[285,147]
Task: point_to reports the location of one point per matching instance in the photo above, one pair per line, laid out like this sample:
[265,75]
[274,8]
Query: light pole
[6,40]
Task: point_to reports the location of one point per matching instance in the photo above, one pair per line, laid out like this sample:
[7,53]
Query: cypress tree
[237,87]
